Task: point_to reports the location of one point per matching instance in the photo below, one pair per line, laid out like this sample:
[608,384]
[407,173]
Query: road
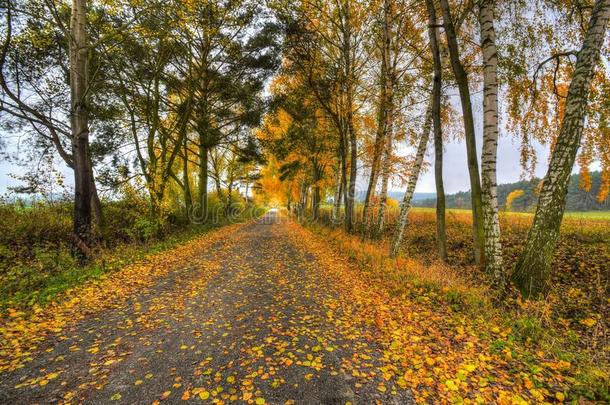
[257,322]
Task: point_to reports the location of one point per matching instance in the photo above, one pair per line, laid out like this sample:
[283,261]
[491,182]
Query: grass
[588,215]
[68,275]
[571,325]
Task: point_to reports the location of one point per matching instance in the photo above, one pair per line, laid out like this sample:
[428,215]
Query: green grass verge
[70,275]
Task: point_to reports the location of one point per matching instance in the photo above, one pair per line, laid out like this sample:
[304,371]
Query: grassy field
[574,318]
[36,264]
[586,215]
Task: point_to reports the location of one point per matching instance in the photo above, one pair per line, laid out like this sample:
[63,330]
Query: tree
[533,268]
[385,108]
[234,48]
[512,196]
[491,219]
[405,206]
[79,124]
[57,100]
[441,234]
[461,78]
[299,135]
[323,43]
[156,103]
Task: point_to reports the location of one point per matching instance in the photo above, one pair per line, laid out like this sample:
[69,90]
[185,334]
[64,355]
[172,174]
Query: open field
[576,312]
[587,215]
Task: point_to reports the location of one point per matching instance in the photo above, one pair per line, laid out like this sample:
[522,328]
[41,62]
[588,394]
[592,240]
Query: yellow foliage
[512,197]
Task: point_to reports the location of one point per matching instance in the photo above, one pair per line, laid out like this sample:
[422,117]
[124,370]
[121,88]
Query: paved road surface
[266,328]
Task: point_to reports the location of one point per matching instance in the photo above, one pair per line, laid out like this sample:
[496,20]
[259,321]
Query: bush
[35,249]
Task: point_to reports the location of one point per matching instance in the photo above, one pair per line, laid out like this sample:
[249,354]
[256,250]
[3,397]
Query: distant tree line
[578,198]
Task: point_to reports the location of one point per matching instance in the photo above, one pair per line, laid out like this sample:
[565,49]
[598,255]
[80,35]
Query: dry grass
[572,323]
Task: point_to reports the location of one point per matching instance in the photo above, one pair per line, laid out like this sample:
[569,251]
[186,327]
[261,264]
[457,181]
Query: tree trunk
[203,180]
[303,200]
[96,205]
[385,179]
[315,195]
[188,199]
[218,188]
[533,268]
[351,191]
[405,206]
[491,221]
[349,117]
[343,153]
[383,114]
[80,128]
[338,192]
[441,233]
[228,206]
[461,78]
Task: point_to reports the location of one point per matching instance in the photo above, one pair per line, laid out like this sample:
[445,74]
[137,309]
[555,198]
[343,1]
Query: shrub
[35,251]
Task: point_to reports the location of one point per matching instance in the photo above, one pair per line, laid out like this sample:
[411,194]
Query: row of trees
[157,94]
[361,78]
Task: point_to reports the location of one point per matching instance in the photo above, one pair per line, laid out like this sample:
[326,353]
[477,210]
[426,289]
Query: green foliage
[36,261]
[527,329]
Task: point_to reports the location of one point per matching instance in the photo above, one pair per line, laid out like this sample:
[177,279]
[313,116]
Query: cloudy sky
[455,170]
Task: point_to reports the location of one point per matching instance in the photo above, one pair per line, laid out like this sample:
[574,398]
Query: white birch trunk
[491,220]
[405,206]
[533,268]
[384,115]
[385,179]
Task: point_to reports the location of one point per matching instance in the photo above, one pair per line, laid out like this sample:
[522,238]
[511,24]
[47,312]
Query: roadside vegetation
[37,263]
[566,334]
[174,117]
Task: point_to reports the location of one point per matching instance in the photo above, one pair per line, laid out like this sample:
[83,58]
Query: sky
[455,169]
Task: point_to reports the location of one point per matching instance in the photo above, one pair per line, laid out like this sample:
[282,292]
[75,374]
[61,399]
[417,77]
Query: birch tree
[405,205]
[385,180]
[491,219]
[534,265]
[384,116]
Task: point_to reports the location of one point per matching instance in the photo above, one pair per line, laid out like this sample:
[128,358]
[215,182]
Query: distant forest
[577,198]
